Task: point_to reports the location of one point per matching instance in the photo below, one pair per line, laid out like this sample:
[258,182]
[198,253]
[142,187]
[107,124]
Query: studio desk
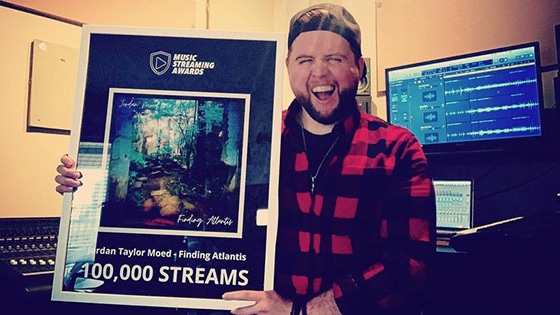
[511,268]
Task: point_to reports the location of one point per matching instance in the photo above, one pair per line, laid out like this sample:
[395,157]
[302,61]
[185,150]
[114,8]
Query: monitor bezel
[488,145]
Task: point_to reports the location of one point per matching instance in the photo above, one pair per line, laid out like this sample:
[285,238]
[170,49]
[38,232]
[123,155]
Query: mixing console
[27,255]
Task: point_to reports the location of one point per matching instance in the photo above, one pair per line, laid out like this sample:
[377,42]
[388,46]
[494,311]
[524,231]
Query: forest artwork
[176,133]
[176,161]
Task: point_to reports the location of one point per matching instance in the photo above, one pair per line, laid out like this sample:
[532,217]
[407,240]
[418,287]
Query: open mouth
[323,92]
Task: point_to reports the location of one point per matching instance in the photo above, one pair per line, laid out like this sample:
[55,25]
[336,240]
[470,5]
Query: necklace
[313,177]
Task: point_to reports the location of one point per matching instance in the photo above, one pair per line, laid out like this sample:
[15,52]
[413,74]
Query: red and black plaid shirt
[368,230]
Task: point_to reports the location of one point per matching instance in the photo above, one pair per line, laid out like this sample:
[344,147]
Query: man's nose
[320,68]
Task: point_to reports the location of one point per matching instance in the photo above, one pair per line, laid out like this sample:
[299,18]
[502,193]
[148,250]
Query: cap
[327,17]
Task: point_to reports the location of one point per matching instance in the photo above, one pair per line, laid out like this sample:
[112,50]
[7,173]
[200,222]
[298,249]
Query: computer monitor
[483,101]
[454,204]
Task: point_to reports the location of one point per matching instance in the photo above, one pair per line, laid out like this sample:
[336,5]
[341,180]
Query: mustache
[347,102]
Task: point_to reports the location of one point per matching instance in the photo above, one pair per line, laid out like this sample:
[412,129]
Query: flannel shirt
[368,230]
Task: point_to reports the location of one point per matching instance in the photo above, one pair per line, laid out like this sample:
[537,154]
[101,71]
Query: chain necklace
[313,177]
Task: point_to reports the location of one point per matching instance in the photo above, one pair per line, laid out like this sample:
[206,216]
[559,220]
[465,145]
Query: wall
[168,13]
[27,159]
[442,28]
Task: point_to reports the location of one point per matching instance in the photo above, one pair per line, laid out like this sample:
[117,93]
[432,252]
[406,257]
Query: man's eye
[334,59]
[304,61]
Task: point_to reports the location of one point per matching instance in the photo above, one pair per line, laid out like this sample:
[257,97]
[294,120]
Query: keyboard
[532,231]
[489,226]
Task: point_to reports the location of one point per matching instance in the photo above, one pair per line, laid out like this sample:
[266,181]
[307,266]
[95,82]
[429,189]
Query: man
[357,209]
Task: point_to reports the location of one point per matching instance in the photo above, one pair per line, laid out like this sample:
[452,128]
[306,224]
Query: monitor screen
[454,204]
[489,100]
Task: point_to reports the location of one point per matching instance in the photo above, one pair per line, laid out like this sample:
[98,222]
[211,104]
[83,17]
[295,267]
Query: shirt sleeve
[399,282]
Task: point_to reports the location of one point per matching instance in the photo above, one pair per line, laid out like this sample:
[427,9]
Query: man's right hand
[69,177]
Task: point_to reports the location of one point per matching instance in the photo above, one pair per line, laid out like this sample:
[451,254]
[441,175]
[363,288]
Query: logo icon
[160,61]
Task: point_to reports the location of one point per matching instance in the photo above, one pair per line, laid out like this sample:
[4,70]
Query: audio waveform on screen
[490,109]
[460,90]
[488,132]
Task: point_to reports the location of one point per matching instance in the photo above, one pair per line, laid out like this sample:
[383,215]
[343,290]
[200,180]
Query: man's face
[323,75]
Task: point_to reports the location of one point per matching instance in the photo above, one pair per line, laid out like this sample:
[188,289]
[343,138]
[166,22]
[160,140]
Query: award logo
[160,61]
[182,64]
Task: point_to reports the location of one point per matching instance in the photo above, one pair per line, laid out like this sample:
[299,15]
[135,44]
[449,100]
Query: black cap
[327,17]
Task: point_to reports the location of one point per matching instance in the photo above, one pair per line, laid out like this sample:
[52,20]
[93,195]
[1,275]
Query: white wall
[166,13]
[27,160]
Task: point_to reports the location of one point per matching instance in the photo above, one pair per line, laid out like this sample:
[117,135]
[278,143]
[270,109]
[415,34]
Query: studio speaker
[557,33]
[364,103]
[364,86]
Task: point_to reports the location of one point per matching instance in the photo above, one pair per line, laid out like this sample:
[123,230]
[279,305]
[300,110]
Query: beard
[347,102]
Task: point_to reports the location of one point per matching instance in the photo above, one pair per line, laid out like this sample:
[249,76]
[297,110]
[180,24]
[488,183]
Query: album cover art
[177,161]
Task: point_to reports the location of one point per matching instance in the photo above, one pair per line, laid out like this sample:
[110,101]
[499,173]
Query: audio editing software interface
[486,96]
[454,204]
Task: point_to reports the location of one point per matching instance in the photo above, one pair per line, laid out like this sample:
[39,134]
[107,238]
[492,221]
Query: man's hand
[69,177]
[266,302]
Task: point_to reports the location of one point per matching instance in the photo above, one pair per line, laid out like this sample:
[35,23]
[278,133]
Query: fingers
[66,184]
[68,178]
[266,302]
[68,172]
[243,295]
[63,189]
[67,181]
[67,161]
